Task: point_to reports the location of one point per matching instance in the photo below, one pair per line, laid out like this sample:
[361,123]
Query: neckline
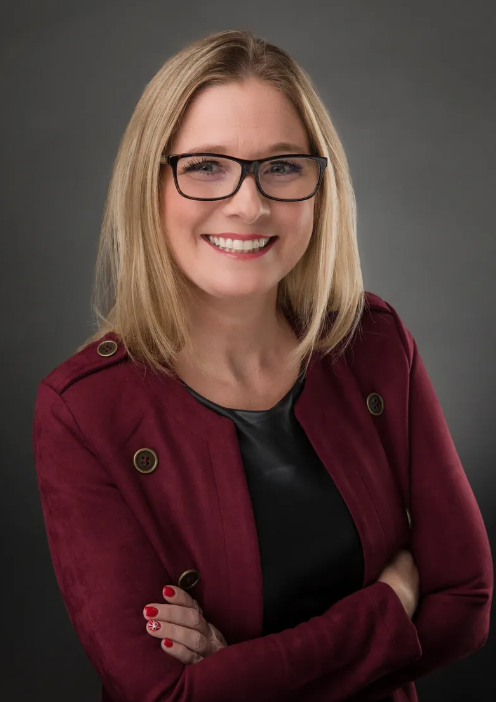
[252,413]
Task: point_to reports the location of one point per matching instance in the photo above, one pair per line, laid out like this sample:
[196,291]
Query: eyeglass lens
[213,176]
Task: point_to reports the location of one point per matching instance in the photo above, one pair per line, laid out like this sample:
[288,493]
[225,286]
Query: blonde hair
[140,293]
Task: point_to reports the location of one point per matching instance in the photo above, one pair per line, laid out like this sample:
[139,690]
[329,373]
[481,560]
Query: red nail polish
[153,625]
[169,592]
[168,643]
[151,611]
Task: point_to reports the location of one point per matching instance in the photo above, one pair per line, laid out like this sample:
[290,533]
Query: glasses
[207,176]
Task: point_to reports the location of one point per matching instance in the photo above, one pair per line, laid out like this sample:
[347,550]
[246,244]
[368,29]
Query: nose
[250,178]
[248,201]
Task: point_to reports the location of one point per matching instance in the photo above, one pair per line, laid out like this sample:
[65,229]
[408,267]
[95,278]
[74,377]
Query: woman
[248,484]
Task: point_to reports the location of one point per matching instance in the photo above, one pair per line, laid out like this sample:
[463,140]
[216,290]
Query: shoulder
[381,318]
[376,303]
[97,357]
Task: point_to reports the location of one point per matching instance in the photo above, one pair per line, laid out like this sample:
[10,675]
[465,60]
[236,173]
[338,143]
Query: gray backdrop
[412,90]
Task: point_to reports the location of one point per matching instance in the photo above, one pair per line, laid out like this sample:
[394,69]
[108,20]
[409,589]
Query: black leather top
[310,550]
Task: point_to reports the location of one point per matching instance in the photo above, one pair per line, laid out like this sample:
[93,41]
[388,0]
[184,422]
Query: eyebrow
[281,146]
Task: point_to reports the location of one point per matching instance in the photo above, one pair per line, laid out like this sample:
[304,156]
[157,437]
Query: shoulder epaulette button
[107,348]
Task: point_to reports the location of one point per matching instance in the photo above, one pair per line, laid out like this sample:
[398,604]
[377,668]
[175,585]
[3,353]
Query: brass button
[375,403]
[145,460]
[409,519]
[188,579]
[107,348]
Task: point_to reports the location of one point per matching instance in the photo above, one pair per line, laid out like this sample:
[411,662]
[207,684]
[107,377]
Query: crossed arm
[360,649]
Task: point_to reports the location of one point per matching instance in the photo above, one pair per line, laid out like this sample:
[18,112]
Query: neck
[239,340]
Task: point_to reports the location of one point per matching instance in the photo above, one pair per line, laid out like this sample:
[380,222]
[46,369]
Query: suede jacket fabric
[117,534]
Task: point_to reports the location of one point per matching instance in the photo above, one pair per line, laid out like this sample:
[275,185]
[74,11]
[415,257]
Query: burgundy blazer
[118,534]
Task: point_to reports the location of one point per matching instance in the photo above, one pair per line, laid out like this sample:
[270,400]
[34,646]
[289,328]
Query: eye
[286,166]
[192,165]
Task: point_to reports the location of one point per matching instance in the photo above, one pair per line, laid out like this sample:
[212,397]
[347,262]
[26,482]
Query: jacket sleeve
[449,544]
[107,570]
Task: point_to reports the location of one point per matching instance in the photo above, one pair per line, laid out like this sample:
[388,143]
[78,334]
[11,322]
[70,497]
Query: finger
[179,596]
[182,653]
[177,614]
[195,641]
[216,637]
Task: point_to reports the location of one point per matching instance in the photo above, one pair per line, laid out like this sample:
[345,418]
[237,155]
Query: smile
[241,252]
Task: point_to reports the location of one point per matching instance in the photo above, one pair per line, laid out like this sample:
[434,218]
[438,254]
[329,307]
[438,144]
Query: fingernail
[153,625]
[151,611]
[168,643]
[169,592]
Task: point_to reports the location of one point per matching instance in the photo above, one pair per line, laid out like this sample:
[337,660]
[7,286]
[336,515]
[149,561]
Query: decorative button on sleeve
[188,579]
[145,460]
[375,403]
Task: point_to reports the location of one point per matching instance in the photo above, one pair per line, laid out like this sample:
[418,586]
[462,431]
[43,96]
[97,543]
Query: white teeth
[238,244]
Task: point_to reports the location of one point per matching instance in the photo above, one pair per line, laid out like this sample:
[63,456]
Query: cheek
[305,218]
[298,224]
[175,208]
[180,218]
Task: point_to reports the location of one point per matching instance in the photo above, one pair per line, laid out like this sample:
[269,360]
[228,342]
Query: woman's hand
[402,575]
[183,631]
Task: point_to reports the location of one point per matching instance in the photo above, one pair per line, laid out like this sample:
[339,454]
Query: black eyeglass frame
[246,167]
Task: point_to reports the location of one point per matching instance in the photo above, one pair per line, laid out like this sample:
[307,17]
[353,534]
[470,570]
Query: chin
[235,290]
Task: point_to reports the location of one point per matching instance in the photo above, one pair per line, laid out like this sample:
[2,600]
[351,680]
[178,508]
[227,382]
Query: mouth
[241,253]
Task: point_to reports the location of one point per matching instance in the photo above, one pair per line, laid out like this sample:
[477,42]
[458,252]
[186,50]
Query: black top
[310,550]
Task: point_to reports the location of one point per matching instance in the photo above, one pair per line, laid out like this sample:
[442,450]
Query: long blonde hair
[140,293]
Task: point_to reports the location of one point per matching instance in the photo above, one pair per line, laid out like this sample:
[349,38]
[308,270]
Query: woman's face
[246,120]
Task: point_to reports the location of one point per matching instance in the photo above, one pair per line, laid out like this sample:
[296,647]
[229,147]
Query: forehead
[252,116]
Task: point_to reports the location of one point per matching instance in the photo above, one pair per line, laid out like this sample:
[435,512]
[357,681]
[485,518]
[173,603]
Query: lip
[242,256]
[242,237]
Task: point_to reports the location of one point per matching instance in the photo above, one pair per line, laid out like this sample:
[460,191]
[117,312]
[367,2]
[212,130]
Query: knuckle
[196,617]
[198,641]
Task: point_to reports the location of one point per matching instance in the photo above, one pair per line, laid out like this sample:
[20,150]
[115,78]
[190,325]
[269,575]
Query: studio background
[411,90]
